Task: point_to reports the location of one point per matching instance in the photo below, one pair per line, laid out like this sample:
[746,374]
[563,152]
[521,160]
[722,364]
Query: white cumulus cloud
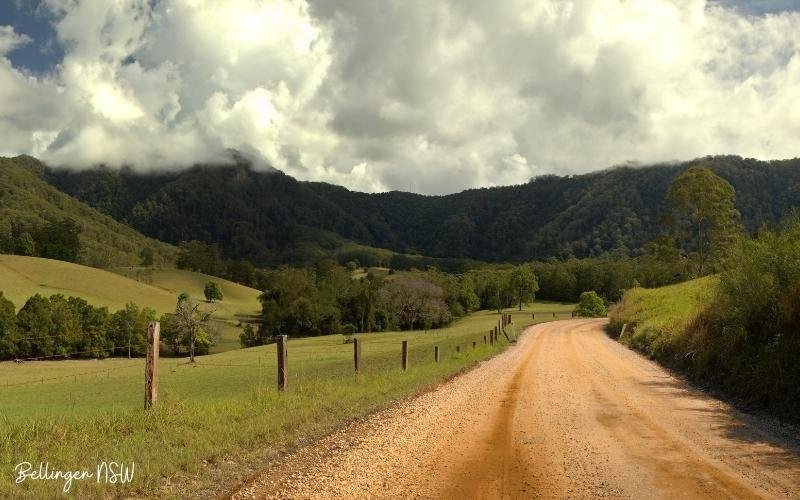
[432,96]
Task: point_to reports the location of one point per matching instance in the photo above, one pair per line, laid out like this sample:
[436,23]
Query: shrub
[213,291]
[591,305]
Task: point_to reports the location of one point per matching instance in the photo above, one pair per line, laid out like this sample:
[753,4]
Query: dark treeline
[59,327]
[207,258]
[565,281]
[70,327]
[278,220]
[57,239]
[328,299]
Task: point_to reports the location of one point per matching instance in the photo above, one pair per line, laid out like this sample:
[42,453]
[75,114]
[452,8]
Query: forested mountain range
[269,217]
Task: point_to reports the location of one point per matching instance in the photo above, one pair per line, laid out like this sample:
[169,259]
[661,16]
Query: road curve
[567,412]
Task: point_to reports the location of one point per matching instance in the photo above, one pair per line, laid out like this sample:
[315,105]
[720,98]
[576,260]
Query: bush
[591,305]
[740,331]
[249,337]
[213,291]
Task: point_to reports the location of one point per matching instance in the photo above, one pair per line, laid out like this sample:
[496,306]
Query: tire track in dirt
[567,412]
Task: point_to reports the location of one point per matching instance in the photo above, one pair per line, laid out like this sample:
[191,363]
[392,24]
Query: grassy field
[660,313]
[22,277]
[657,317]
[222,418]
[240,302]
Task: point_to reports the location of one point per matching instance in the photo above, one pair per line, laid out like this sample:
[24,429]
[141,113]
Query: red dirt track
[567,412]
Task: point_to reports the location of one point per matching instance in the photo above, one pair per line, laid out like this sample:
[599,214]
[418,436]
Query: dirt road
[567,412]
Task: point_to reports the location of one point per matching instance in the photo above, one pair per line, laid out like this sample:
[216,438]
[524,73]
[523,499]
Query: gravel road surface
[566,413]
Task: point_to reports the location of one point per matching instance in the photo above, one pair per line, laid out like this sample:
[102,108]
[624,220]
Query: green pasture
[22,277]
[219,419]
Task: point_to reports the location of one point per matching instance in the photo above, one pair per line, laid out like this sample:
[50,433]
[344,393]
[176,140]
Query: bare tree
[191,320]
[414,302]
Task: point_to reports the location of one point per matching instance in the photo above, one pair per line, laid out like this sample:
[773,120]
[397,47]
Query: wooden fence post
[554,315]
[357,354]
[151,365]
[491,337]
[436,353]
[474,344]
[282,363]
[458,348]
[405,355]
[484,340]
[533,315]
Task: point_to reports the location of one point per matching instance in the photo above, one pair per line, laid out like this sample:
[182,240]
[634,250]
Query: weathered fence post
[405,355]
[458,348]
[282,363]
[436,353]
[484,340]
[357,354]
[554,315]
[474,344]
[151,365]
[533,315]
[491,337]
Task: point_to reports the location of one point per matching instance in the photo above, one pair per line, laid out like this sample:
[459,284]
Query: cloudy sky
[428,96]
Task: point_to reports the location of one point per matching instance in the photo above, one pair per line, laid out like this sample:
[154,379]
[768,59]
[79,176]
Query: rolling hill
[22,277]
[25,198]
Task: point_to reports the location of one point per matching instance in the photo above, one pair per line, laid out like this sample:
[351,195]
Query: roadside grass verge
[658,318]
[738,332]
[222,419]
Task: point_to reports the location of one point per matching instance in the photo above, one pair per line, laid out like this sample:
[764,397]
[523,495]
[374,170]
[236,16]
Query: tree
[59,240]
[146,256]
[35,325]
[24,244]
[241,271]
[249,337]
[524,283]
[128,329]
[171,334]
[414,302]
[198,256]
[194,323]
[591,305]
[212,291]
[92,340]
[704,216]
[8,328]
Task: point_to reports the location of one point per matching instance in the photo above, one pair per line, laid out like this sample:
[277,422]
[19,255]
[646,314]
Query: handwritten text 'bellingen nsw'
[107,472]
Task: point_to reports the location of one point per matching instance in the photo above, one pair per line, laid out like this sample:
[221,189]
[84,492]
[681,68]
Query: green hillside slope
[25,198]
[658,318]
[239,300]
[22,277]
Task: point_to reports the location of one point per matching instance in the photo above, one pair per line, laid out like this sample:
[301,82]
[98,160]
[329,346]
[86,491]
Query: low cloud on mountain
[428,96]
